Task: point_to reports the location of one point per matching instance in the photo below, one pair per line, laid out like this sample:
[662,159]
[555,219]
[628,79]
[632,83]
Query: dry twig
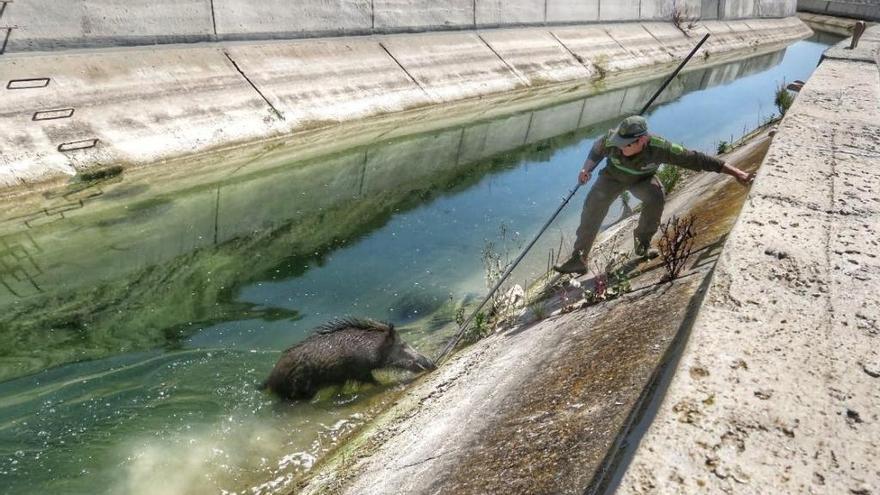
[676,245]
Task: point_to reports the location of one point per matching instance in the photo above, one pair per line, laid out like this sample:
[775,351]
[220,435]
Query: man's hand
[584,176]
[741,176]
[744,178]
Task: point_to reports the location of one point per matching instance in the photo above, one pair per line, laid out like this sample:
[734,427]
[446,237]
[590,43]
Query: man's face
[635,147]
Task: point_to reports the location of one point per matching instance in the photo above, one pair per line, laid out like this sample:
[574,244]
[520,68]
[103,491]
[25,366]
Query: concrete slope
[777,391]
[856,9]
[68,112]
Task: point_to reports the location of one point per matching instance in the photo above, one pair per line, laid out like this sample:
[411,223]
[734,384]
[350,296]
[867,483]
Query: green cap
[630,129]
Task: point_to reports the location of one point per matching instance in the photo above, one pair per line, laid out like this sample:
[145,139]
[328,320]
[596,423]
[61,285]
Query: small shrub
[480,325]
[724,147]
[676,245]
[783,99]
[669,176]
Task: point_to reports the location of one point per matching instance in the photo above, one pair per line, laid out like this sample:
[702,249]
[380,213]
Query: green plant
[724,147]
[783,99]
[459,316]
[479,327]
[669,176]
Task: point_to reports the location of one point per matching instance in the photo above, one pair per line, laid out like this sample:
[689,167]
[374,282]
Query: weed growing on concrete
[480,323]
[783,99]
[669,176]
[459,316]
[479,328]
[676,245]
[683,19]
[612,281]
[724,147]
[496,260]
[539,309]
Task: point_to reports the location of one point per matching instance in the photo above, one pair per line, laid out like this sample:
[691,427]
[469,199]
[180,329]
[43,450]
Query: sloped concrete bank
[777,390]
[841,26]
[69,112]
[535,407]
[855,9]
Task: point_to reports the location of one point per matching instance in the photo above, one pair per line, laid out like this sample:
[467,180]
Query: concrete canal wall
[857,9]
[53,24]
[71,111]
[777,389]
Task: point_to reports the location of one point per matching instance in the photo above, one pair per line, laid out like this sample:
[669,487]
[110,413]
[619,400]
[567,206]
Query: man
[633,158]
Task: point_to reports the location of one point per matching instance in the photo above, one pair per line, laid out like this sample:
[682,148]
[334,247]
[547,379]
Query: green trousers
[604,192]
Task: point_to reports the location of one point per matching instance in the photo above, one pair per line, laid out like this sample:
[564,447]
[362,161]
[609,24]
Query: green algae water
[137,324]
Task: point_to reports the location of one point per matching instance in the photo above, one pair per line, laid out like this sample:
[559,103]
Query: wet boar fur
[341,350]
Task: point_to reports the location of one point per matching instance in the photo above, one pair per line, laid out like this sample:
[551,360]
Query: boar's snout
[404,356]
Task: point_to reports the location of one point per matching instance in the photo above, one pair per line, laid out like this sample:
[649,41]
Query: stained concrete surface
[777,390]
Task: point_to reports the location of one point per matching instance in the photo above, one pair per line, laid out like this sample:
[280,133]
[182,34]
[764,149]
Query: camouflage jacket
[644,164]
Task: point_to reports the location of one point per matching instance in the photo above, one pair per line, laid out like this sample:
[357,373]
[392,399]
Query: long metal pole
[457,338]
[674,73]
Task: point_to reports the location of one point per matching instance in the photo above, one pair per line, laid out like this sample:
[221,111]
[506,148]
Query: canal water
[136,323]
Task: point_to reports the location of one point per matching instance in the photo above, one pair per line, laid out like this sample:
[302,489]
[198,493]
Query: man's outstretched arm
[741,176]
[597,153]
[695,160]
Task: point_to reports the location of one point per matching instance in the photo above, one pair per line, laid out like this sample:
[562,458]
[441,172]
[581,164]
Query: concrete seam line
[246,78]
[618,43]
[576,58]
[659,43]
[213,19]
[510,67]
[5,40]
[413,79]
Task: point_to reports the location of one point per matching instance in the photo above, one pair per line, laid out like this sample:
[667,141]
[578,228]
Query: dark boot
[644,249]
[573,265]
